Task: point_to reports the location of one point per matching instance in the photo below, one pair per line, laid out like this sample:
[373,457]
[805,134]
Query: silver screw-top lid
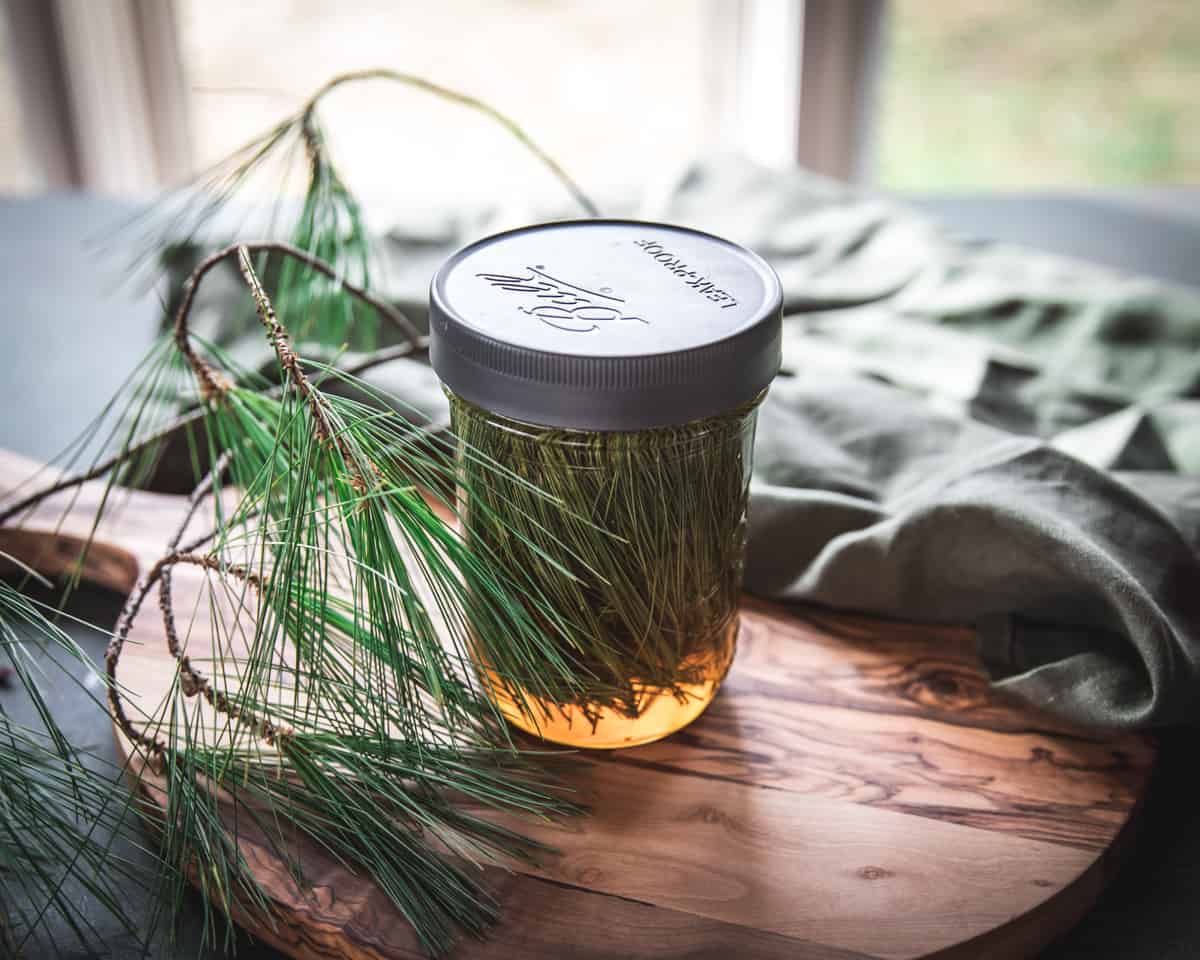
[605,324]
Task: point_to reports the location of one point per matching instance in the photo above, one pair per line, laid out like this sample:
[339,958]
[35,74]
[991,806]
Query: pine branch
[64,810]
[330,223]
[371,604]
[334,572]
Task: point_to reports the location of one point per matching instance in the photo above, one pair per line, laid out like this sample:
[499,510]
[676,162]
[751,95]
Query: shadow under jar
[603,379]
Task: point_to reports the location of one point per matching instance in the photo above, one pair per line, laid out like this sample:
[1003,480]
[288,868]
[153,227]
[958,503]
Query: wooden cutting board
[855,791]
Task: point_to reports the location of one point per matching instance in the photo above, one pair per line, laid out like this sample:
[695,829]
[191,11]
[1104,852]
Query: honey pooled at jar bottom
[660,713]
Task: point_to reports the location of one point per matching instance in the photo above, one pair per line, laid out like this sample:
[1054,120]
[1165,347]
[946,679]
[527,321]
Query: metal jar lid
[605,324]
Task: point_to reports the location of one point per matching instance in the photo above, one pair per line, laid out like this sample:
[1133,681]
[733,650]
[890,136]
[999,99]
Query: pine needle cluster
[336,700]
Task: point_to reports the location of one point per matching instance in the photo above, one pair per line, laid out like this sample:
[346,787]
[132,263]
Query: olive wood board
[856,790]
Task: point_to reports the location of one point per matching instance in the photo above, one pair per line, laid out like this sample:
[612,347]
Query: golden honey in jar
[605,377]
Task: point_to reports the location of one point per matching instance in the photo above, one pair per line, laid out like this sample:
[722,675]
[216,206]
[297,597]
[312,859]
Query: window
[1024,93]
[129,95]
[17,172]
[617,91]
[908,94]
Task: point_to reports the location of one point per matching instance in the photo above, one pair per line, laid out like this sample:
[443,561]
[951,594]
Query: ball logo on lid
[562,305]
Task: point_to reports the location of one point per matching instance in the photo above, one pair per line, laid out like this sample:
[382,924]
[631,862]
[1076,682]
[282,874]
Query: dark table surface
[72,329]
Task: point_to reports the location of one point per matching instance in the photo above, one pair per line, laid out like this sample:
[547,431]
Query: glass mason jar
[605,376]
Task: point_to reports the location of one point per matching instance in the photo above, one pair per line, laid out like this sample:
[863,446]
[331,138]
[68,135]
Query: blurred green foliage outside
[1022,93]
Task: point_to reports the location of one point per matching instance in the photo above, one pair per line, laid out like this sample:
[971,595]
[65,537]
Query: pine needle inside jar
[616,366]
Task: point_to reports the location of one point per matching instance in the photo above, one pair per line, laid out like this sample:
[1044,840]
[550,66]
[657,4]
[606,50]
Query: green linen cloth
[963,432]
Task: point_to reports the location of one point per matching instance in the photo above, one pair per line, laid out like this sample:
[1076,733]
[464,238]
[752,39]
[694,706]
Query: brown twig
[213,384]
[191,681]
[379,357]
[99,469]
[471,103]
[271,733]
[277,334]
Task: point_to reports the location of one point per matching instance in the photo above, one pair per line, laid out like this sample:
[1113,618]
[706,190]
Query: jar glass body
[636,540]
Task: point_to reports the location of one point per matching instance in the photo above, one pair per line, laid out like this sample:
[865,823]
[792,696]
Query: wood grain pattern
[856,791]
[897,724]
